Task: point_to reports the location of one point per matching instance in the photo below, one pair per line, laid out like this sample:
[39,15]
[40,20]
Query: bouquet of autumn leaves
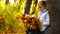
[31,22]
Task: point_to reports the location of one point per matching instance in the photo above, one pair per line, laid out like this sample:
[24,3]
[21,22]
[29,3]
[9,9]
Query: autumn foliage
[31,22]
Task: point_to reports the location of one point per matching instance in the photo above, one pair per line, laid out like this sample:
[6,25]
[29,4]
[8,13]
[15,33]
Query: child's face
[41,7]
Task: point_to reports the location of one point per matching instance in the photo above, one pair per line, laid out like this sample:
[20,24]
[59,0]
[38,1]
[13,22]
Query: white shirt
[44,17]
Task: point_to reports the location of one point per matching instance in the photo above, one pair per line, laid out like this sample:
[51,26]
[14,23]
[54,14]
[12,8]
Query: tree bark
[54,11]
[27,8]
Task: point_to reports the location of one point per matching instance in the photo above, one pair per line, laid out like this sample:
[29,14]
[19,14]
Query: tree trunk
[54,11]
[27,7]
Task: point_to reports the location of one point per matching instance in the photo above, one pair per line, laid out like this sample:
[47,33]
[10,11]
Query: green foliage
[34,8]
[10,15]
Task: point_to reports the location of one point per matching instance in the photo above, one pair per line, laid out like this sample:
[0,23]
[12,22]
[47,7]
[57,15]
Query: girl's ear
[45,6]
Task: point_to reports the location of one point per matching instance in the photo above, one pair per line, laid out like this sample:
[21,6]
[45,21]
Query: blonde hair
[44,3]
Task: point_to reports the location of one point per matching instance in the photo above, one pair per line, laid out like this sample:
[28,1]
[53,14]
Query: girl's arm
[47,21]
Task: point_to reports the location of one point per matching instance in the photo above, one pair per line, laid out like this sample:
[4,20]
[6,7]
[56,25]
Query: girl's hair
[44,3]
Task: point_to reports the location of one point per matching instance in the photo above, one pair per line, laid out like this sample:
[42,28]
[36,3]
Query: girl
[43,15]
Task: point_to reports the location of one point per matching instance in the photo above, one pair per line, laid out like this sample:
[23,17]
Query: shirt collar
[44,10]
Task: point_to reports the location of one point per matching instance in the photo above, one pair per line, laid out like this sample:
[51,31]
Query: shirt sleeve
[47,20]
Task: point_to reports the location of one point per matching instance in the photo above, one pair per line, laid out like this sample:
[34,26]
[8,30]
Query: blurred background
[12,10]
